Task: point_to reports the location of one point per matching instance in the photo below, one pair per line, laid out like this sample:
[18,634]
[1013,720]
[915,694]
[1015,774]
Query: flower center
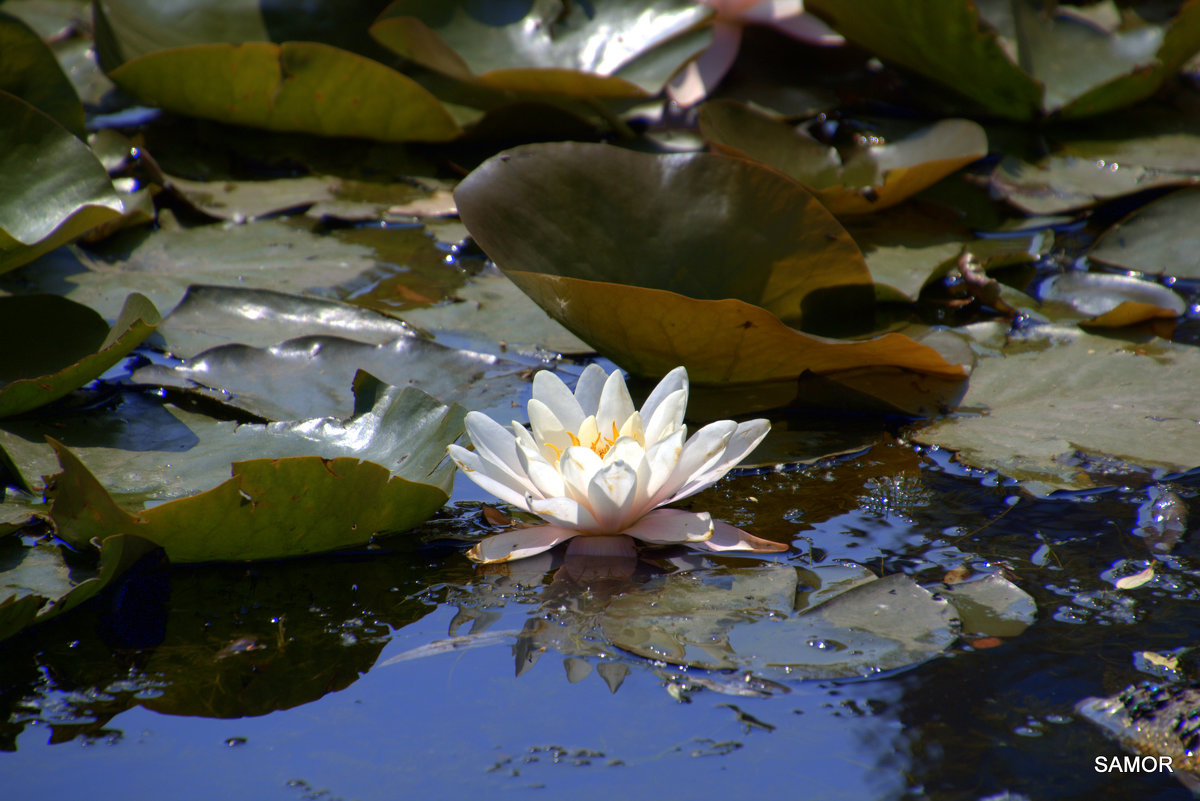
[599,445]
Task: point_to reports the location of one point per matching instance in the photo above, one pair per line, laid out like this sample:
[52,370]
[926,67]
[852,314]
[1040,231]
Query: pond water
[337,678]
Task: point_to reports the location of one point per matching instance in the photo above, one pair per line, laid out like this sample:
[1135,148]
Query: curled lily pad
[45,208]
[296,488]
[1160,238]
[36,585]
[295,86]
[1055,408]
[1111,301]
[29,70]
[1066,182]
[706,284]
[742,618]
[66,346]
[865,179]
[623,48]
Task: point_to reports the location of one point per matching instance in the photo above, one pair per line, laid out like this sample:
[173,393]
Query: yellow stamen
[557,450]
[574,439]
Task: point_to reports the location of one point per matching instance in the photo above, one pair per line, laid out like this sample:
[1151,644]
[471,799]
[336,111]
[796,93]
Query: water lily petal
[524,439]
[549,389]
[611,495]
[699,454]
[578,465]
[588,388]
[564,512]
[661,457]
[765,11]
[728,538]
[634,429]
[696,80]
[615,404]
[489,476]
[667,417]
[547,429]
[494,443]
[673,381]
[743,441]
[545,477]
[809,28]
[519,543]
[669,526]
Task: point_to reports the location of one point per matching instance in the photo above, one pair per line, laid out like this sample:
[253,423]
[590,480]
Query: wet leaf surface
[30,72]
[1158,238]
[1091,401]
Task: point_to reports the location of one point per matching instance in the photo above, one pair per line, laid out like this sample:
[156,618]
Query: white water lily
[593,466]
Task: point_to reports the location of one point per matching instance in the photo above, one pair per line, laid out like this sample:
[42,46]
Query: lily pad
[296,86]
[1062,183]
[1017,60]
[744,621]
[64,346]
[311,377]
[29,71]
[211,316]
[1161,238]
[44,208]
[861,180]
[992,606]
[622,48]
[308,487]
[491,308]
[1059,404]
[37,585]
[282,255]
[709,285]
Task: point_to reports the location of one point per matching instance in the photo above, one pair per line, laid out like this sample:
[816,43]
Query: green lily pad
[865,179]
[1015,59]
[1062,183]
[66,345]
[742,619]
[1160,238]
[1058,405]
[36,584]
[905,249]
[622,48]
[1111,301]
[707,284]
[29,70]
[45,208]
[296,86]
[308,487]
